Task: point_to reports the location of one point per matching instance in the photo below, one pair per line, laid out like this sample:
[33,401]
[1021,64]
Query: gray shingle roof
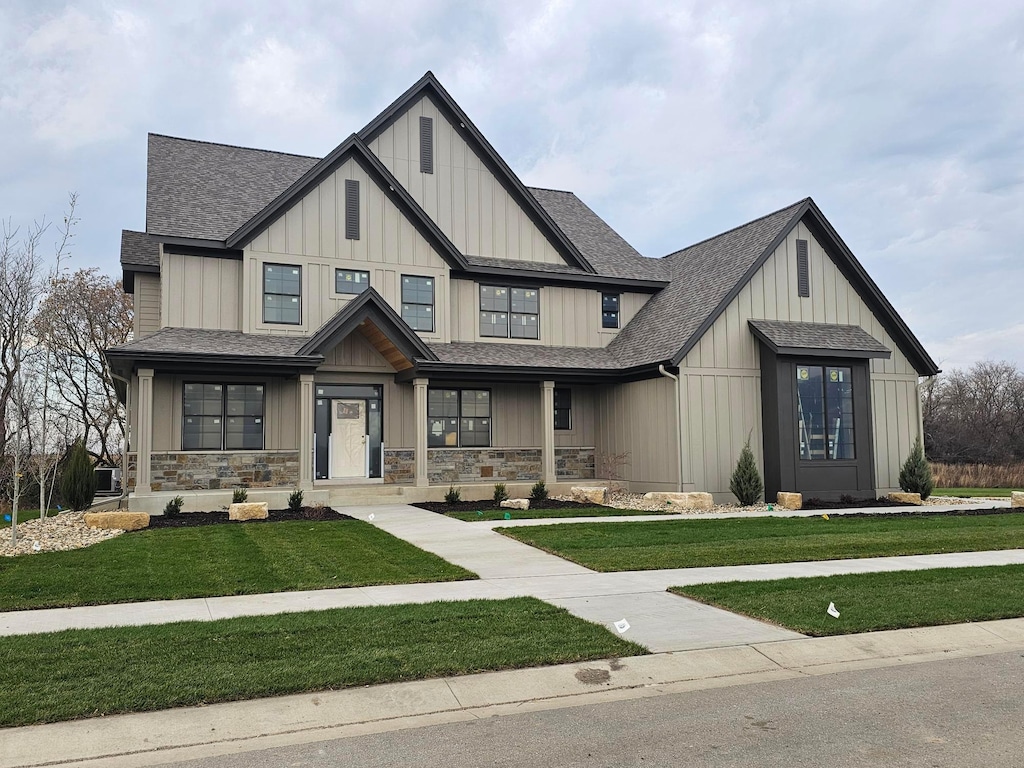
[796,335]
[534,266]
[702,277]
[202,341]
[139,250]
[525,355]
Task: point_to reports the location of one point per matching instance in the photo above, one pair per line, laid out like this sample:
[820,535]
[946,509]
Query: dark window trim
[459,417]
[432,304]
[265,292]
[339,270]
[508,287]
[224,413]
[568,409]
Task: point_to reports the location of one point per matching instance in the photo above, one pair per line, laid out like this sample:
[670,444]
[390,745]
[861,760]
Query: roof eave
[560,278]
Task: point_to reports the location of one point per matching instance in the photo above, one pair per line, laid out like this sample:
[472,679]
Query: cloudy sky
[673,120]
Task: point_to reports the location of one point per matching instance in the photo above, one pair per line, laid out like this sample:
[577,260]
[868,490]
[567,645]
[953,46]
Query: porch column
[144,432]
[547,431]
[306,446]
[420,387]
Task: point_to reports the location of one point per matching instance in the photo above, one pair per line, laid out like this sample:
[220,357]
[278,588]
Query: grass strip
[83,673]
[653,544]
[868,602]
[238,559]
[536,514]
[971,493]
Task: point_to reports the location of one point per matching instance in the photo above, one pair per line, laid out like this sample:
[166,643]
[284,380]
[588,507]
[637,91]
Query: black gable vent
[803,270]
[351,209]
[426,145]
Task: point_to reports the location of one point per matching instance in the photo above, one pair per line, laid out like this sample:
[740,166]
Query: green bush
[454,495]
[539,492]
[746,484]
[239,496]
[295,500]
[173,507]
[500,493]
[916,475]
[78,482]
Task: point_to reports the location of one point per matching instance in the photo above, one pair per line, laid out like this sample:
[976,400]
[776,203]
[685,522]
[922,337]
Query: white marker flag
[370,516]
[622,626]
[832,611]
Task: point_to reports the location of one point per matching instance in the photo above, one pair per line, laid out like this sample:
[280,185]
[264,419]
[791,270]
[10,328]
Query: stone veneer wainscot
[194,471]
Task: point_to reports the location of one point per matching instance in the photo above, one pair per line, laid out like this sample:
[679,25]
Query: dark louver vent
[351,209]
[803,270]
[426,145]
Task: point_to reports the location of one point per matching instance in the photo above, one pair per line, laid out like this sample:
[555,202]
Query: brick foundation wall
[400,466]
[574,463]
[221,469]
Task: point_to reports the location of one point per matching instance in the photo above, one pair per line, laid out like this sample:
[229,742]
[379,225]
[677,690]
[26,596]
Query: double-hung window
[509,313]
[418,302]
[609,310]
[458,418]
[219,417]
[351,281]
[282,294]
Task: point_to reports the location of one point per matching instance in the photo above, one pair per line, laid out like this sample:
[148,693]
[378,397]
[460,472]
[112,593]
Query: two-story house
[405,313]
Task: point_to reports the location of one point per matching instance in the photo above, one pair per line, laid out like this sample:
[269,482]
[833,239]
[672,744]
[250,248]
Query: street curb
[153,738]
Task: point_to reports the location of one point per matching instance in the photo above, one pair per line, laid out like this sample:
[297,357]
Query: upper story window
[609,310]
[282,294]
[509,313]
[219,417]
[418,302]
[563,408]
[351,281]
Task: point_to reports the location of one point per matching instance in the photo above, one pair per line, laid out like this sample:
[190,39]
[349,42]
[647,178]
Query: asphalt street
[956,712]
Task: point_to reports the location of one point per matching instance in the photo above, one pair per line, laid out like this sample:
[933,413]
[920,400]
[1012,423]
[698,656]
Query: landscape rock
[64,532]
[516,504]
[906,498]
[117,521]
[590,494]
[690,500]
[1017,499]
[788,500]
[250,510]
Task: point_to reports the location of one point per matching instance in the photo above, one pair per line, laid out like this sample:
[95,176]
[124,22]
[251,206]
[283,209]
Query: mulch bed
[443,507]
[849,503]
[220,517]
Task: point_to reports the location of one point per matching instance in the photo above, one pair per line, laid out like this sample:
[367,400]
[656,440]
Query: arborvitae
[78,483]
[746,484]
[916,475]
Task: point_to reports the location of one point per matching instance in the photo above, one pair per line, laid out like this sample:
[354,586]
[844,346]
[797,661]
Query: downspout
[679,425]
[128,424]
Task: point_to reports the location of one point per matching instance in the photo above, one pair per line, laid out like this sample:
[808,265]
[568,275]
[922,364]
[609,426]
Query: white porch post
[420,386]
[144,432]
[547,431]
[306,447]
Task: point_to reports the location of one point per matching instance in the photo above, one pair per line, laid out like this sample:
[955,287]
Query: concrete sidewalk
[155,738]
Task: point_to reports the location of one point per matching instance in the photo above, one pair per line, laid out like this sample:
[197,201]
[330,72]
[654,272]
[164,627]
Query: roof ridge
[234,146]
[549,189]
[734,229]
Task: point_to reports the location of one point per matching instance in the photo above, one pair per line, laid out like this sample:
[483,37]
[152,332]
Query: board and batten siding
[569,317]
[724,368]
[462,196]
[146,305]
[201,292]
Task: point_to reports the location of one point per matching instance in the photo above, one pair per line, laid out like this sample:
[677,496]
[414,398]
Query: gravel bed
[60,533]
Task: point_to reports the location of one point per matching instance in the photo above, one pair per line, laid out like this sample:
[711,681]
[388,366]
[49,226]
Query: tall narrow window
[351,209]
[222,417]
[418,302]
[803,269]
[824,396]
[282,294]
[563,408]
[493,311]
[351,281]
[426,145]
[609,310]
[509,312]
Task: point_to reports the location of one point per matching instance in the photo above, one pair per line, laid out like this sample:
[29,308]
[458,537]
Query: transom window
[282,294]
[219,417]
[418,302]
[509,313]
[350,281]
[458,418]
[609,310]
[824,396]
[563,408]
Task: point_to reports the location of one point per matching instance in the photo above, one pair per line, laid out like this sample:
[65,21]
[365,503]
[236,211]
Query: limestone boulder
[690,500]
[250,510]
[787,500]
[589,494]
[117,521]
[1017,499]
[516,504]
[906,498]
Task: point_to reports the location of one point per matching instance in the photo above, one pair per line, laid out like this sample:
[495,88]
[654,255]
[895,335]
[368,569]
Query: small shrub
[539,492]
[295,501]
[78,481]
[746,484]
[315,512]
[500,493]
[239,495]
[173,507]
[916,475]
[454,495]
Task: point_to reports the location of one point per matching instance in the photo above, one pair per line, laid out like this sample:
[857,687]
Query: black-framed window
[563,408]
[351,281]
[609,310]
[824,396]
[219,417]
[458,418]
[418,302]
[282,294]
[509,313]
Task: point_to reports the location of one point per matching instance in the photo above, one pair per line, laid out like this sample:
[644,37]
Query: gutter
[679,424]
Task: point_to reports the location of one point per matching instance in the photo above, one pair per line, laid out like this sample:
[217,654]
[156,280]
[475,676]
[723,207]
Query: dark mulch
[935,512]
[220,517]
[847,502]
[443,507]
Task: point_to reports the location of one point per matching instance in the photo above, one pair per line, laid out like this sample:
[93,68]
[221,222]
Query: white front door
[348,438]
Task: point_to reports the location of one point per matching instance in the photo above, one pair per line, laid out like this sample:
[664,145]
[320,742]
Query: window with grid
[418,302]
[222,417]
[458,418]
[609,310]
[509,313]
[563,408]
[350,281]
[282,294]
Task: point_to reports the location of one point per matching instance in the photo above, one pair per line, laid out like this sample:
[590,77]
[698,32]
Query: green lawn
[872,601]
[235,559]
[82,673]
[535,514]
[741,541]
[970,493]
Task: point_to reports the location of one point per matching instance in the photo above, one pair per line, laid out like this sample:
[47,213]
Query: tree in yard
[746,484]
[916,475]
[78,483]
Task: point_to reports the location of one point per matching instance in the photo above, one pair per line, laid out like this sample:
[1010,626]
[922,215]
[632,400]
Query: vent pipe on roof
[679,426]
